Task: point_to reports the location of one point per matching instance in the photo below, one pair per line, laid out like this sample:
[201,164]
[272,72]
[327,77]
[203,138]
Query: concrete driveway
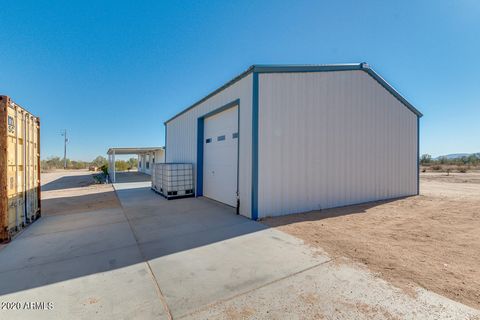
[140,256]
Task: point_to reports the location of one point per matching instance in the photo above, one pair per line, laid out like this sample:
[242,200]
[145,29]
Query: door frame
[201,138]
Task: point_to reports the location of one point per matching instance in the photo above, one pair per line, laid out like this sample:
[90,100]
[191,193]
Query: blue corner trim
[165,150]
[255,148]
[200,134]
[418,155]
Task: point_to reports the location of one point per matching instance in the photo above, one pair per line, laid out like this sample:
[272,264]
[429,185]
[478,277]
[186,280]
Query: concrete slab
[196,255]
[110,285]
[51,247]
[195,277]
[335,291]
[201,251]
[210,263]
[67,222]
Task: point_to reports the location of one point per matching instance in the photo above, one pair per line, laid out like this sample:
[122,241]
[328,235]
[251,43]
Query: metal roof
[279,68]
[134,150]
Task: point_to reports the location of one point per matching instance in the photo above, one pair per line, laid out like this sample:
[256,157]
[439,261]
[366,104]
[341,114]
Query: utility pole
[64,135]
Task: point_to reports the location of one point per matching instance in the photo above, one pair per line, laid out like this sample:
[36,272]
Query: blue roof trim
[307,68]
[226,85]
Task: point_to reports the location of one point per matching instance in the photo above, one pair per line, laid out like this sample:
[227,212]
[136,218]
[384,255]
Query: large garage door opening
[220,157]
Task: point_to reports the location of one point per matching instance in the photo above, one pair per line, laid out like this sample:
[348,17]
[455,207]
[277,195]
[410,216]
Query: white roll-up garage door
[220,158]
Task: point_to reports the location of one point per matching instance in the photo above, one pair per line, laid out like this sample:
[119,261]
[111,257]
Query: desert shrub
[462,169]
[437,167]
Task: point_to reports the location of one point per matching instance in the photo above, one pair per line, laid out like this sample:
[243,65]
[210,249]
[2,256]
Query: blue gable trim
[307,68]
[392,90]
[226,85]
[337,67]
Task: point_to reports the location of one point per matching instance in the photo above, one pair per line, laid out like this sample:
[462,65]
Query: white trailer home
[286,139]
[147,157]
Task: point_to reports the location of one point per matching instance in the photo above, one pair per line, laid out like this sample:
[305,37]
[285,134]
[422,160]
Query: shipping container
[19,168]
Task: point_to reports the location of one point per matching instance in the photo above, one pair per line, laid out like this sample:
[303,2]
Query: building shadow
[69,182]
[86,234]
[131,176]
[317,215]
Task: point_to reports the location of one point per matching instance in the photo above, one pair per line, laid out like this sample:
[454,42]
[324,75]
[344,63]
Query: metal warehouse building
[286,139]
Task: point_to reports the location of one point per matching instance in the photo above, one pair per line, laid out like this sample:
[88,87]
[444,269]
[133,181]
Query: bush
[462,169]
[104,169]
[437,167]
[121,165]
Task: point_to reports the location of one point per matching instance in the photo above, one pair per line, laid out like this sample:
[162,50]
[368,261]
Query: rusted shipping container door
[19,137]
[15,169]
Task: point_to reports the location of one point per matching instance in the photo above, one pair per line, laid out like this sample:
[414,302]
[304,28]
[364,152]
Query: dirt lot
[74,193]
[431,240]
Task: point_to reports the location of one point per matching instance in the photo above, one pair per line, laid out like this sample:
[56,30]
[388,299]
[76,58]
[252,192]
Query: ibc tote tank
[19,168]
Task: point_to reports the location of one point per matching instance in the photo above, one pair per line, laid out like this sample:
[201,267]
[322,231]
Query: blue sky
[111,72]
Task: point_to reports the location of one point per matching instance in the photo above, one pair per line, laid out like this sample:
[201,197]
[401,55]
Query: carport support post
[113,166]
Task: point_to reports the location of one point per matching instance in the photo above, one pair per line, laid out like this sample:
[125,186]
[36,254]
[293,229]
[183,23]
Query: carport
[146,157]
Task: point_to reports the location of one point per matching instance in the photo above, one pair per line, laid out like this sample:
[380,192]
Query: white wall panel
[329,139]
[181,142]
[159,156]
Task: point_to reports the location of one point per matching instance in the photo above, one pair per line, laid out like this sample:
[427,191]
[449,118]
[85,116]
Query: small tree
[425,159]
[133,163]
[121,165]
[99,161]
[474,159]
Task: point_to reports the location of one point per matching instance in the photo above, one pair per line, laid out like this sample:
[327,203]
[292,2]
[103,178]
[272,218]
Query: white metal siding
[159,156]
[181,142]
[329,139]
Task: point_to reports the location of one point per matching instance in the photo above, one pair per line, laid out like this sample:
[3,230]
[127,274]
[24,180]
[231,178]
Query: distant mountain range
[457,155]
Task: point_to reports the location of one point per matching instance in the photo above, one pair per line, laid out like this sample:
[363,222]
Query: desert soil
[431,240]
[75,193]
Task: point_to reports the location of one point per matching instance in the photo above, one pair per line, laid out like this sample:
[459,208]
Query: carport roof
[134,150]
